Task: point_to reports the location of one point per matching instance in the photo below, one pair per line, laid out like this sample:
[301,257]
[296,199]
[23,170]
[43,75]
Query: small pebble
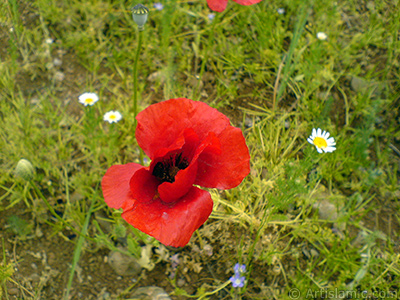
[59,76]
[34,277]
[124,265]
[150,293]
[57,62]
[208,249]
[248,122]
[13,291]
[326,210]
[181,282]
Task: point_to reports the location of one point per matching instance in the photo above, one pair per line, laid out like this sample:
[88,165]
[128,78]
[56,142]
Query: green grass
[251,63]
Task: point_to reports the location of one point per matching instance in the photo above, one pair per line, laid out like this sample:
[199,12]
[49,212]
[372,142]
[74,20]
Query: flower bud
[139,14]
[25,169]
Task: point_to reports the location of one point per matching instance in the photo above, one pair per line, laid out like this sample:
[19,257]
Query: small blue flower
[158,6]
[237,281]
[239,269]
[174,260]
[211,16]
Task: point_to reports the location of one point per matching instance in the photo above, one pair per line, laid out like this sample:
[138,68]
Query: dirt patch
[42,264]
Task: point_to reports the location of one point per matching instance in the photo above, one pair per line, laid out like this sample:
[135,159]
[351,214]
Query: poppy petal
[217,5]
[173,225]
[184,179]
[158,127]
[227,169]
[247,2]
[179,142]
[191,143]
[144,186]
[115,184]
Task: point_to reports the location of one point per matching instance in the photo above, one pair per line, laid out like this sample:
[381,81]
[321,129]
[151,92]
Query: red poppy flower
[189,144]
[220,5]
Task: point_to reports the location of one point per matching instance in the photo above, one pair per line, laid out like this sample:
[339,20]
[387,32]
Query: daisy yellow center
[320,142]
[112,117]
[89,100]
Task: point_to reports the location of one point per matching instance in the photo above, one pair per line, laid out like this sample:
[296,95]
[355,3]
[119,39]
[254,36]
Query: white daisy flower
[112,116]
[322,36]
[322,141]
[280,10]
[88,99]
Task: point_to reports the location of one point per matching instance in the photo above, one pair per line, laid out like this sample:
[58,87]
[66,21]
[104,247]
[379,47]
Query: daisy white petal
[322,36]
[112,116]
[331,140]
[314,133]
[281,11]
[321,140]
[88,98]
[329,149]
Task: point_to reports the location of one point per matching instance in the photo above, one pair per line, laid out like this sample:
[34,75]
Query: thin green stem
[78,248]
[206,55]
[289,64]
[135,73]
[135,83]
[200,239]
[221,287]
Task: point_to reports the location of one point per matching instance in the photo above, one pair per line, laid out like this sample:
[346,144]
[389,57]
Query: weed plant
[301,221]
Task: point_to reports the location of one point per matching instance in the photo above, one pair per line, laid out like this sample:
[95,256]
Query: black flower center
[167,169]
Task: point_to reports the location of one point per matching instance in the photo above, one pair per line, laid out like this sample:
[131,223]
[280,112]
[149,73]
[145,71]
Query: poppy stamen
[166,170]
